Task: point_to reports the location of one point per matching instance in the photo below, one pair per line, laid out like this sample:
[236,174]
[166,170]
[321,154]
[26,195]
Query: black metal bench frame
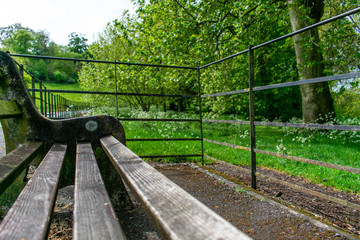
[174,212]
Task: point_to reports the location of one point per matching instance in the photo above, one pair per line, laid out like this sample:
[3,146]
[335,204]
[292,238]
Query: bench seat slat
[12,164]
[29,216]
[94,217]
[176,214]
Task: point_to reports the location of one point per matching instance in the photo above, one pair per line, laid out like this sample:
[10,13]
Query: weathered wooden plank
[29,216]
[175,213]
[94,217]
[12,164]
[9,109]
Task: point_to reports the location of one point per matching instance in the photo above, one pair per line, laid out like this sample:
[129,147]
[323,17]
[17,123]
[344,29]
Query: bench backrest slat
[9,109]
[94,217]
[29,216]
[13,163]
[175,213]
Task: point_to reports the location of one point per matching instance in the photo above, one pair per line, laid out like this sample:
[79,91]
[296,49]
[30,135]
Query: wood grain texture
[94,217]
[12,164]
[175,213]
[9,109]
[29,216]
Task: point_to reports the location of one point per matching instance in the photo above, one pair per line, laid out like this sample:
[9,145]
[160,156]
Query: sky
[59,18]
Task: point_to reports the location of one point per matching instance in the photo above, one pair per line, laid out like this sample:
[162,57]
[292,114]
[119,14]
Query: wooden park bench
[69,148]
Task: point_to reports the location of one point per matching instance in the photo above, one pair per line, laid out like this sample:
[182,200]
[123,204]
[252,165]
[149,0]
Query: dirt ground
[252,213]
[342,216]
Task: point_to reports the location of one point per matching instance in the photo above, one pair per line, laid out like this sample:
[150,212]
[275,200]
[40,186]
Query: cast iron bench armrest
[29,216]
[175,213]
[94,216]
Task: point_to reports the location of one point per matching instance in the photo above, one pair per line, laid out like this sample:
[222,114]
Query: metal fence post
[45,103]
[116,96]
[200,117]
[41,99]
[54,105]
[51,105]
[62,107]
[252,116]
[66,114]
[57,106]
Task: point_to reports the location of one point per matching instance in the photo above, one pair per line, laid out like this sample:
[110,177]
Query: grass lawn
[314,145]
[61,86]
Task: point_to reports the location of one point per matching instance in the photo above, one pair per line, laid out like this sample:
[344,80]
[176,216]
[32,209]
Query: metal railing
[252,123]
[116,94]
[252,88]
[51,105]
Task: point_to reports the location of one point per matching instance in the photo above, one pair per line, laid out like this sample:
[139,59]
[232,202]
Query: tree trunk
[317,103]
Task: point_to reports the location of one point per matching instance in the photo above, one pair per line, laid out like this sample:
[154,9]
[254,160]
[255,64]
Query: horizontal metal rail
[161,139]
[170,156]
[226,93]
[224,59]
[113,93]
[310,161]
[309,81]
[159,119]
[288,84]
[228,145]
[30,74]
[326,21]
[294,125]
[100,61]
[288,157]
[227,121]
[311,125]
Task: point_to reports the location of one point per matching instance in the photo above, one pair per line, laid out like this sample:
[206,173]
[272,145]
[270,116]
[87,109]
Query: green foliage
[18,39]
[77,43]
[59,77]
[20,42]
[192,33]
[347,103]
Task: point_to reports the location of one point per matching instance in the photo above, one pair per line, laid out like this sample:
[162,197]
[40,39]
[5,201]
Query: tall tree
[317,103]
[77,43]
[18,39]
[20,42]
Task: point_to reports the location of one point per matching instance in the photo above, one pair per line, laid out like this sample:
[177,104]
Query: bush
[59,77]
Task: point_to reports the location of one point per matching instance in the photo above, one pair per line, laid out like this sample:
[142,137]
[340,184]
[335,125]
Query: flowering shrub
[307,135]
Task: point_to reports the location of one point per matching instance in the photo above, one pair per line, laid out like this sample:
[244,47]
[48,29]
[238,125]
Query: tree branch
[185,9]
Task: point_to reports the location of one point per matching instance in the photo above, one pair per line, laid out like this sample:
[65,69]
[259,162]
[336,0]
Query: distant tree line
[193,33]
[23,40]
